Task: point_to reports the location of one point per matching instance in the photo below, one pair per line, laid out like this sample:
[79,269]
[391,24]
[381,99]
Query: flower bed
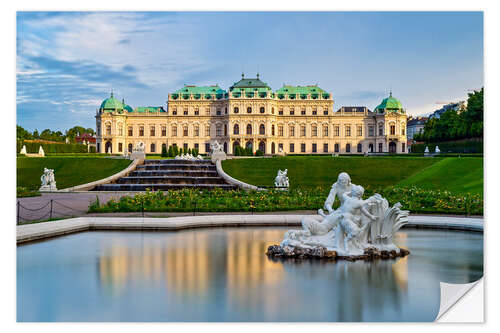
[414,199]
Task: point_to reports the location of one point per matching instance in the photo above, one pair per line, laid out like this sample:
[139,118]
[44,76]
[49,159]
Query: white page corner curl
[451,295]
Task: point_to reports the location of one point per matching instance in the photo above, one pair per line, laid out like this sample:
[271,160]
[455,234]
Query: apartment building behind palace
[290,120]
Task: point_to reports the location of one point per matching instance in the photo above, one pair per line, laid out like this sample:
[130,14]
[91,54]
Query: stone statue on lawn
[48,180]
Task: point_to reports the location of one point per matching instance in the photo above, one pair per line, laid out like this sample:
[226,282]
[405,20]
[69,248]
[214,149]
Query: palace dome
[111,103]
[127,107]
[390,104]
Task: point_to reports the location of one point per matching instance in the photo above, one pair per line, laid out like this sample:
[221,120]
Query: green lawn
[459,175]
[311,171]
[69,171]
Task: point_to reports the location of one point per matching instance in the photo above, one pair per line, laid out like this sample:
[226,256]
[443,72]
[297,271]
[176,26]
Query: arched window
[262,109]
[249,129]
[174,130]
[393,129]
[272,130]
[360,148]
[225,129]
[108,129]
[262,129]
[236,109]
[381,129]
[337,148]
[272,110]
[249,109]
[325,130]
[185,131]
[291,129]
[153,148]
[129,147]
[314,130]
[130,131]
[218,130]
[196,130]
[348,148]
[236,129]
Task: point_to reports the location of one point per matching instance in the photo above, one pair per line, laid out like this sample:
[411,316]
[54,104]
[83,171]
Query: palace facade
[290,120]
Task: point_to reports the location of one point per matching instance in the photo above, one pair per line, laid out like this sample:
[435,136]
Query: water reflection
[224,275]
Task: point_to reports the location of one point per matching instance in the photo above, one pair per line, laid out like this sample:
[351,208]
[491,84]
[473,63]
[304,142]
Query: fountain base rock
[321,252]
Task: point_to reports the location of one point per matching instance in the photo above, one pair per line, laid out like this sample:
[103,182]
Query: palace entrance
[392,147]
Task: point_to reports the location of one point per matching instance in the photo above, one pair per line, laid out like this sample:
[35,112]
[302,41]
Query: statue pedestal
[220,155]
[137,155]
[48,188]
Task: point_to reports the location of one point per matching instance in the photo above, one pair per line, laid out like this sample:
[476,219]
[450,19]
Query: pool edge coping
[38,231]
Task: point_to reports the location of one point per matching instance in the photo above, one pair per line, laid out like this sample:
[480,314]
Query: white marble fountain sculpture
[281,179]
[356,229]
[48,180]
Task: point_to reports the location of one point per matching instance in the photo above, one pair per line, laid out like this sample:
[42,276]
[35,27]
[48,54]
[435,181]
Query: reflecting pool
[223,274]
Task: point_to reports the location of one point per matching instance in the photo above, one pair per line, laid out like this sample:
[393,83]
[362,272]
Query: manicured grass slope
[310,171]
[69,171]
[458,175]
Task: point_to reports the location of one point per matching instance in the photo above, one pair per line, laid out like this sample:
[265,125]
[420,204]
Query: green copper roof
[111,103]
[127,107]
[200,90]
[301,92]
[144,109]
[390,103]
[249,86]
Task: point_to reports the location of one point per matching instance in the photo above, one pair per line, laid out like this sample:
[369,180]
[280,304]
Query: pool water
[223,274]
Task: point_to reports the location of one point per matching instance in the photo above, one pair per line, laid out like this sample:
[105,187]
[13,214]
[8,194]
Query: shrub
[164,151]
[259,152]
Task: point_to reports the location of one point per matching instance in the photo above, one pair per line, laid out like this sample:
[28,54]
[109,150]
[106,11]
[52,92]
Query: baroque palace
[290,120]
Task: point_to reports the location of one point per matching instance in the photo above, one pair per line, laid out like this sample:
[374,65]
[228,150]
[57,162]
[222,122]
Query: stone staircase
[169,175]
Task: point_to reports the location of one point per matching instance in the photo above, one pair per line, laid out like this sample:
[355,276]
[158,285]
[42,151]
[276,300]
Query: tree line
[455,125]
[49,135]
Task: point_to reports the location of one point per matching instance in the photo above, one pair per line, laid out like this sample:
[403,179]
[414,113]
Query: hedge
[464,146]
[33,147]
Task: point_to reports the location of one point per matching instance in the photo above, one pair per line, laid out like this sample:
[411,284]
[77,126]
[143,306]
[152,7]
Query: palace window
[196,111]
[393,129]
[218,111]
[196,130]
[225,129]
[280,130]
[164,131]
[303,147]
[225,110]
[280,111]
[292,111]
[403,147]
[380,147]
[153,148]
[185,146]
[348,148]
[185,111]
[291,129]
[325,147]
[360,130]
[314,148]
[249,129]
[325,131]
[152,131]
[314,130]
[303,130]
[337,148]
[380,129]
[185,131]
[207,130]
[272,110]
[403,130]
[249,109]
[236,109]
[129,147]
[236,129]
[262,109]
[360,148]
[130,131]
[336,130]
[120,130]
[370,130]
[292,148]
[348,130]
[174,130]
[218,130]
[207,111]
[325,111]
[303,112]
[272,130]
[174,111]
[108,129]
[262,129]
[280,146]
[315,111]
[197,146]
[120,147]
[207,147]
[98,130]
[141,130]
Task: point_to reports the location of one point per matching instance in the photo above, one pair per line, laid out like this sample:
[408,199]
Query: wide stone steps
[169,175]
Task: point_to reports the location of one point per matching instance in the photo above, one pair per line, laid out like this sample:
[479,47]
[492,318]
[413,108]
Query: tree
[164,150]
[23,134]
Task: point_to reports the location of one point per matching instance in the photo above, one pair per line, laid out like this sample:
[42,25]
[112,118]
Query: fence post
[51,208]
[17,211]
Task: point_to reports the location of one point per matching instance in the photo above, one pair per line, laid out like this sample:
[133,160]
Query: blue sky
[67,63]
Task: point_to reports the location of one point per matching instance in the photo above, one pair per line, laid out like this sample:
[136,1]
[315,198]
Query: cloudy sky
[67,63]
